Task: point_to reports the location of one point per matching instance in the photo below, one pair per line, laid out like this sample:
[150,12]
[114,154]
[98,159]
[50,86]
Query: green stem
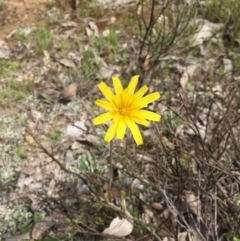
[111,170]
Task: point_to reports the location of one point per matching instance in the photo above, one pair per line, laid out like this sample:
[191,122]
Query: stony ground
[182,184]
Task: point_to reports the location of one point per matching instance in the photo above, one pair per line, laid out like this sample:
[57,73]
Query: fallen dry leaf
[120,227]
[59,218]
[92,29]
[146,64]
[4,50]
[67,63]
[194,204]
[69,24]
[69,93]
[41,227]
[184,79]
[19,237]
[30,140]
[77,129]
[157,206]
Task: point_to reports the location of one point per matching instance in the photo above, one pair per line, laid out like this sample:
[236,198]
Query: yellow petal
[149,99]
[149,115]
[121,129]
[116,118]
[111,132]
[104,104]
[135,131]
[117,100]
[140,121]
[106,91]
[117,85]
[133,83]
[127,98]
[140,93]
[103,118]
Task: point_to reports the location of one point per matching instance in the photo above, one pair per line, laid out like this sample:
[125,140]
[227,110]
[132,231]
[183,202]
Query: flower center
[123,111]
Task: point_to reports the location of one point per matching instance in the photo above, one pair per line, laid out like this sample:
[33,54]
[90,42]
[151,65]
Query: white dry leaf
[205,31]
[35,202]
[69,24]
[218,91]
[228,65]
[183,236]
[120,227]
[136,185]
[93,139]
[184,79]
[4,50]
[168,239]
[113,19]
[60,176]
[157,206]
[11,34]
[106,32]
[41,227]
[77,129]
[68,33]
[76,145]
[46,60]
[69,93]
[106,72]
[163,19]
[35,185]
[23,180]
[25,31]
[3,208]
[69,159]
[81,124]
[51,188]
[76,57]
[82,187]
[193,131]
[36,115]
[112,4]
[191,68]
[27,170]
[67,63]
[194,204]
[148,214]
[141,157]
[92,29]
[20,237]
[99,60]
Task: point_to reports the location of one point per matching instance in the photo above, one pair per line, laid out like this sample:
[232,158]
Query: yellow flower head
[125,109]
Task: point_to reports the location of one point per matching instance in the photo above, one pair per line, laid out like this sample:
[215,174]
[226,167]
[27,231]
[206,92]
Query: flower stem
[111,169]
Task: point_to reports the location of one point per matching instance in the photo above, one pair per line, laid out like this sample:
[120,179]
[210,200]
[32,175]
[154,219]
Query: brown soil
[17,13]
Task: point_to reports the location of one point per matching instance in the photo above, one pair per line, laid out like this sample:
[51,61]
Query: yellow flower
[125,109]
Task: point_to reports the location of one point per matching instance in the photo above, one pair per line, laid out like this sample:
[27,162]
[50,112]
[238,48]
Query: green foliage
[90,64]
[226,12]
[55,135]
[20,37]
[13,91]
[63,46]
[2,4]
[20,153]
[43,38]
[222,11]
[8,66]
[236,238]
[14,218]
[37,217]
[23,228]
